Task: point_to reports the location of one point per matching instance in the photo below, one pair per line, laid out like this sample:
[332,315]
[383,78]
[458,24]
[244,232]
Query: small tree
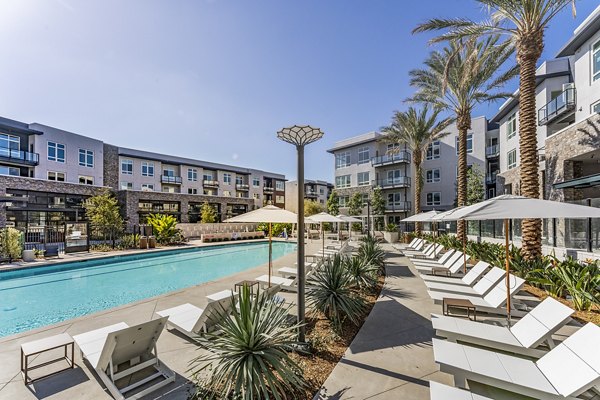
[208,213]
[333,203]
[355,206]
[378,205]
[103,213]
[312,207]
[475,189]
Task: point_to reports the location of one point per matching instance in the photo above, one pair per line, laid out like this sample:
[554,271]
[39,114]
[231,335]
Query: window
[596,61]
[56,176]
[343,200]
[321,191]
[127,167]
[126,186]
[279,199]
[226,193]
[469,143]
[169,172]
[365,198]
[342,160]
[192,175]
[256,196]
[512,159]
[147,187]
[239,180]
[434,199]
[147,168]
[12,171]
[192,191]
[227,179]
[433,150]
[363,155]
[86,180]
[395,199]
[168,189]
[394,176]
[511,126]
[56,152]
[207,177]
[9,145]
[256,182]
[491,193]
[86,158]
[209,192]
[280,185]
[342,181]
[393,148]
[432,175]
[363,178]
[469,166]
[596,108]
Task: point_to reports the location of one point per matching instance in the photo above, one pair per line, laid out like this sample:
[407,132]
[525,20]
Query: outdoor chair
[432,263]
[468,280]
[481,288]
[290,285]
[51,250]
[439,391]
[452,266]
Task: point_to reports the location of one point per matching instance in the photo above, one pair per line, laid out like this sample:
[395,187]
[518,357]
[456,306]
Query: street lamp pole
[368,217]
[300,136]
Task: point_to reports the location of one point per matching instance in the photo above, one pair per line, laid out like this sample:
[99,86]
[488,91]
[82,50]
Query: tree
[104,215]
[355,207]
[458,78]
[475,187]
[523,23]
[416,128]
[378,205]
[208,213]
[333,203]
[312,207]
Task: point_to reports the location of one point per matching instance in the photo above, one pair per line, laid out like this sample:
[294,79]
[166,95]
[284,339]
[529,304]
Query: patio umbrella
[320,218]
[422,217]
[349,220]
[509,207]
[270,214]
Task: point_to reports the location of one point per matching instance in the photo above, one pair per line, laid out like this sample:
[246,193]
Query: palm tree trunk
[528,53]
[463,123]
[418,185]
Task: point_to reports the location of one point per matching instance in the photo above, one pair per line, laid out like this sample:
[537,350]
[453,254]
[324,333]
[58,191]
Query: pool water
[40,296]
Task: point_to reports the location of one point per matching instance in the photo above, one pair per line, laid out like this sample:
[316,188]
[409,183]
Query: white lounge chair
[481,288]
[191,320]
[565,372]
[411,245]
[439,391]
[536,327]
[291,272]
[454,265]
[425,249]
[434,263]
[118,351]
[290,285]
[468,280]
[430,254]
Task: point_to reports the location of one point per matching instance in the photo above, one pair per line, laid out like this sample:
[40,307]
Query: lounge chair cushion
[184,316]
[92,343]
[464,328]
[545,318]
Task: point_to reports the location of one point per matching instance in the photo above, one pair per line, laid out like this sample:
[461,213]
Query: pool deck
[174,349]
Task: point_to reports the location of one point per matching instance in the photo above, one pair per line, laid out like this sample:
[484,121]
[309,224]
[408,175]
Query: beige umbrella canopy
[510,207]
[320,218]
[422,217]
[270,214]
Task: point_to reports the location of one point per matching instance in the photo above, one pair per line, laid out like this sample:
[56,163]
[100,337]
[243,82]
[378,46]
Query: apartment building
[568,103]
[46,174]
[314,190]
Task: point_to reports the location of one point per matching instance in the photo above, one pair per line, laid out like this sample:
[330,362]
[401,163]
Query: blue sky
[216,79]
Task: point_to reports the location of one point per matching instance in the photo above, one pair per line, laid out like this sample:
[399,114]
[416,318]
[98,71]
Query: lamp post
[300,136]
[368,202]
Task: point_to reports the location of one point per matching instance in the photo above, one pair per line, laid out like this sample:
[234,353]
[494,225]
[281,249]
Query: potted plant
[39,253]
[390,233]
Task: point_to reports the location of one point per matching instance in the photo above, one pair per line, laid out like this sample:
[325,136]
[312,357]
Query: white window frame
[512,165]
[595,52]
[170,172]
[280,186]
[87,156]
[362,182]
[147,187]
[511,126]
[149,167]
[433,179]
[15,171]
[192,191]
[192,174]
[433,201]
[342,181]
[86,180]
[55,175]
[595,108]
[57,146]
[395,199]
[10,140]
[126,186]
[361,155]
[227,179]
[433,151]
[129,169]
[256,182]
[469,143]
[342,160]
[343,201]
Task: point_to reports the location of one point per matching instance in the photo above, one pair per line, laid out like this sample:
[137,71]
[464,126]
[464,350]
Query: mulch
[592,315]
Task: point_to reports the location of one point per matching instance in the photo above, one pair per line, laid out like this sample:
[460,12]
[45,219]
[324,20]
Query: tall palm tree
[457,78]
[524,23]
[416,128]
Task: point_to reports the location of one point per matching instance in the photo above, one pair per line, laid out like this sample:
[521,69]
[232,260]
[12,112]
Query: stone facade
[561,149]
[111,166]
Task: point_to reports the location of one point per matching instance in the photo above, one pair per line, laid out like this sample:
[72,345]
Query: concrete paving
[174,349]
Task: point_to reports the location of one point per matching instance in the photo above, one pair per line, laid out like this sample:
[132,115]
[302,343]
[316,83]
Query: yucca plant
[330,291]
[248,359]
[362,272]
[372,252]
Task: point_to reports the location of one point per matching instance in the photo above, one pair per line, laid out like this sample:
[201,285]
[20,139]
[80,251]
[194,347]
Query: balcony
[399,182]
[19,157]
[310,193]
[268,189]
[403,206]
[559,109]
[175,180]
[490,179]
[402,156]
[242,186]
[492,151]
[211,183]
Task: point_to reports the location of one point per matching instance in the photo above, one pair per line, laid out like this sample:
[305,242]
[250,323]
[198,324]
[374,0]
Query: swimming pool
[35,297]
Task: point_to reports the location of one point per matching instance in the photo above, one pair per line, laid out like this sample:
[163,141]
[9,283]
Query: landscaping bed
[593,315]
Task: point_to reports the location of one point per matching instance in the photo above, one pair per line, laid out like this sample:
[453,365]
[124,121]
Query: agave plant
[330,292]
[362,272]
[371,251]
[249,358]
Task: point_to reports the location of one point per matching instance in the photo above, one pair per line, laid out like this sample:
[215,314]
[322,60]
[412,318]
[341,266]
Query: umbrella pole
[464,240]
[270,251]
[507,264]
[323,234]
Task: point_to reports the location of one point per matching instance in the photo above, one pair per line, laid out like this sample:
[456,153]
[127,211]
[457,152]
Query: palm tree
[416,128]
[524,22]
[457,78]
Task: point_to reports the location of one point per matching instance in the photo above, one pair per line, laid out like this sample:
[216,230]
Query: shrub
[130,241]
[165,228]
[391,228]
[372,252]
[11,243]
[248,358]
[361,271]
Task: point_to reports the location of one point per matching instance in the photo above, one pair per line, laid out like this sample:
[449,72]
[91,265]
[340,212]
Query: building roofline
[354,141]
[18,126]
[582,34]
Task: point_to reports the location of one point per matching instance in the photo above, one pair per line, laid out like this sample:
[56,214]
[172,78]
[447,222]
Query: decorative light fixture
[300,136]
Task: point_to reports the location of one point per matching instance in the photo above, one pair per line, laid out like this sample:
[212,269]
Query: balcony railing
[208,182]
[492,151]
[310,193]
[399,182]
[402,206]
[171,179]
[268,189]
[242,186]
[490,178]
[19,156]
[402,156]
[563,105]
